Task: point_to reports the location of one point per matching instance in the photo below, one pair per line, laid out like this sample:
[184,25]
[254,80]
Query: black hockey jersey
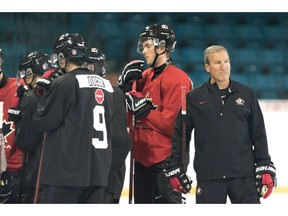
[29,137]
[121,144]
[77,116]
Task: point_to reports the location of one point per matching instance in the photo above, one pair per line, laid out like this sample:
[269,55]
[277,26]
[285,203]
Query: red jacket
[13,154]
[153,133]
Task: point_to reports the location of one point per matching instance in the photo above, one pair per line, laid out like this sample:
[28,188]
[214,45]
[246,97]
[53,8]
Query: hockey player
[28,137]
[10,179]
[231,150]
[155,106]
[76,114]
[121,142]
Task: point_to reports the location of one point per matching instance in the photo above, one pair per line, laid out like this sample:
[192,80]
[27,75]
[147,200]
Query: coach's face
[219,68]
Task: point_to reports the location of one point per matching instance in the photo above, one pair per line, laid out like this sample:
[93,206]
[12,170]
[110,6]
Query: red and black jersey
[77,116]
[153,134]
[13,154]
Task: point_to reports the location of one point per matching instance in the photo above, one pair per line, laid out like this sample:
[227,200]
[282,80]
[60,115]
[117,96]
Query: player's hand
[138,104]
[132,71]
[265,179]
[14,114]
[43,84]
[179,180]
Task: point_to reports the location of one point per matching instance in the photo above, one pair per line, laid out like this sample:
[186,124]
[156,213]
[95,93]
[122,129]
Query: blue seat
[267,82]
[189,31]
[193,54]
[271,56]
[274,32]
[199,77]
[242,78]
[219,31]
[285,82]
[249,32]
[246,55]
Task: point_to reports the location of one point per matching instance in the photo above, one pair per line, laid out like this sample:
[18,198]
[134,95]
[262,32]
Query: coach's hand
[265,179]
[132,71]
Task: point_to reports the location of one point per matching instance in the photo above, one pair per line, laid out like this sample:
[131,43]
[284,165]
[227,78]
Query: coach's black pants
[239,190]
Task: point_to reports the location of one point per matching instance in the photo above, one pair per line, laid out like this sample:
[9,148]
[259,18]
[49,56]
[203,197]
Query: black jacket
[230,136]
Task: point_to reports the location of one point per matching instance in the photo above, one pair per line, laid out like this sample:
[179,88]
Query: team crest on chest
[99,96]
[240,102]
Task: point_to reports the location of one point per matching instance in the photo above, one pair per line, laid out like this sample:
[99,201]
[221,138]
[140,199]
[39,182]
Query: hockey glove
[43,84]
[179,180]
[138,104]
[265,179]
[132,71]
[14,113]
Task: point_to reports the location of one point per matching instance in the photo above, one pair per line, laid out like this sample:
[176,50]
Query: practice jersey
[76,115]
[13,154]
[153,134]
[29,137]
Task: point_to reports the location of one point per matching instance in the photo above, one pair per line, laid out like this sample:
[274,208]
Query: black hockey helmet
[36,63]
[70,46]
[96,61]
[162,35]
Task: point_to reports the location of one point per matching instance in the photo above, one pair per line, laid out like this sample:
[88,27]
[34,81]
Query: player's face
[148,51]
[219,67]
[28,76]
[91,67]
[61,60]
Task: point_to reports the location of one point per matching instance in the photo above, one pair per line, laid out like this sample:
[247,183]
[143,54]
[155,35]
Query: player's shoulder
[117,91]
[172,69]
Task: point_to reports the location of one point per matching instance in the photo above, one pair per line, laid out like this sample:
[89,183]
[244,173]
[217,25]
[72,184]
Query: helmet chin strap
[30,84]
[63,69]
[156,57]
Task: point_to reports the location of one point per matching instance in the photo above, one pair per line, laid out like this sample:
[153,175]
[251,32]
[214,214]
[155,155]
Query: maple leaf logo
[7,129]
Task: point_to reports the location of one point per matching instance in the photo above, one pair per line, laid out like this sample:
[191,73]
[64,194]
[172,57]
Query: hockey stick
[39,170]
[22,177]
[131,174]
[183,135]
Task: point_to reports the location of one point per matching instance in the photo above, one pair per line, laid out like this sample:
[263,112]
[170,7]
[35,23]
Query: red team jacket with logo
[153,133]
[13,154]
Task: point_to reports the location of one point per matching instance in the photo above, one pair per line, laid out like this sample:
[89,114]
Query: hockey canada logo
[7,129]
[99,96]
[240,102]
